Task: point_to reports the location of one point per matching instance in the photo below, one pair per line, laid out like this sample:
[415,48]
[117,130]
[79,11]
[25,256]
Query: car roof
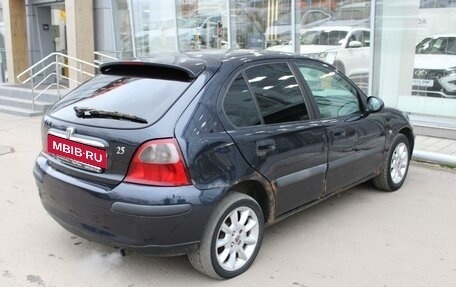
[195,62]
[441,36]
[337,28]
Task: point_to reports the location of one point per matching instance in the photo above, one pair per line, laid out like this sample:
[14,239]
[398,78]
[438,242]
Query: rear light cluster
[158,162]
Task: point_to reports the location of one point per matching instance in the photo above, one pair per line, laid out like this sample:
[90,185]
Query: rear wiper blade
[88,113]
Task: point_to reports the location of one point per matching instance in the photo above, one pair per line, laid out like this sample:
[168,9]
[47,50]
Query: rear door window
[277,93]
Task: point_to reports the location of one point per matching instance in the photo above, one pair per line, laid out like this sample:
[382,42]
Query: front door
[355,138]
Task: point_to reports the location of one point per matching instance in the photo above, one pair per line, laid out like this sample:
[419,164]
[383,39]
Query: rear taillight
[158,162]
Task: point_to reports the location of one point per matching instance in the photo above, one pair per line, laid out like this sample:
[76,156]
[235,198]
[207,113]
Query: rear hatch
[94,131]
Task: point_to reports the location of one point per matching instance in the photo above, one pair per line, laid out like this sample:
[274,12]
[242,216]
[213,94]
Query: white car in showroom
[345,47]
[280,31]
[434,74]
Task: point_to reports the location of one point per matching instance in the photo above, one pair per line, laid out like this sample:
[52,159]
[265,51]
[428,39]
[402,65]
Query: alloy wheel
[237,238]
[399,163]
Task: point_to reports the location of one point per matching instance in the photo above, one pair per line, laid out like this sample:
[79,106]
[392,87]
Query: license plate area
[78,154]
[423,83]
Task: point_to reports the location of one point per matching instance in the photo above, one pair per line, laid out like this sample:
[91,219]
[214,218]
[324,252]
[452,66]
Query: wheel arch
[261,194]
[408,133]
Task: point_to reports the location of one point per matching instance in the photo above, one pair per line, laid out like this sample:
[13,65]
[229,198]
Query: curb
[434,157]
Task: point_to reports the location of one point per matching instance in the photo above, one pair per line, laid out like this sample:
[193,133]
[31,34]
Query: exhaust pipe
[124,252]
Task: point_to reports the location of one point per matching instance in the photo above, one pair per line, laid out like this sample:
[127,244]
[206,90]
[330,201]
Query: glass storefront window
[203,24]
[2,47]
[415,61]
[334,31]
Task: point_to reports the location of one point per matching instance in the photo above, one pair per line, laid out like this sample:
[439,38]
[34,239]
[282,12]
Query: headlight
[450,71]
[420,73]
[330,57]
[322,55]
[313,55]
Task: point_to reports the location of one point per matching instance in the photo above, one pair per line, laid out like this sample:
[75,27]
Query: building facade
[401,51]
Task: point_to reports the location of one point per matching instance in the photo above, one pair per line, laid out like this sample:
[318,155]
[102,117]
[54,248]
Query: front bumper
[155,220]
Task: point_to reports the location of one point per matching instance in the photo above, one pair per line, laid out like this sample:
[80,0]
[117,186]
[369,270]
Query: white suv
[345,47]
[434,74]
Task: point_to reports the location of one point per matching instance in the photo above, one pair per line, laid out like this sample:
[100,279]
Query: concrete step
[24,92]
[17,100]
[439,127]
[40,106]
[19,111]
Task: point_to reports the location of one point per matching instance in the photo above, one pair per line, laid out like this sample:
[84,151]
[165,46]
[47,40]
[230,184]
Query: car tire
[236,227]
[396,165]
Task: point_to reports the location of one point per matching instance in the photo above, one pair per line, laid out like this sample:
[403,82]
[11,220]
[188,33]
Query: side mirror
[374,104]
[355,44]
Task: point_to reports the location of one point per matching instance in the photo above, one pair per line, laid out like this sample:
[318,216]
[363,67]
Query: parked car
[435,67]
[196,153]
[345,47]
[205,29]
[280,31]
[437,3]
[351,13]
[160,35]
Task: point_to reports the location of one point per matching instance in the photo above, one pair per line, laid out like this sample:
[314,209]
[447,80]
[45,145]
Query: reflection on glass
[328,29]
[434,73]
[279,100]
[335,97]
[239,106]
[323,37]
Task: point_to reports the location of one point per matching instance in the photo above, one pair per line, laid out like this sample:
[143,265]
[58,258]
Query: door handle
[264,146]
[340,133]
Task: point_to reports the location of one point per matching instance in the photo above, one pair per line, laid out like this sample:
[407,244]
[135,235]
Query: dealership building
[402,51]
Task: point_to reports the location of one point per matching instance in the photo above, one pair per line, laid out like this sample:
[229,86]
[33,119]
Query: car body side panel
[355,150]
[295,164]
[211,155]
[395,122]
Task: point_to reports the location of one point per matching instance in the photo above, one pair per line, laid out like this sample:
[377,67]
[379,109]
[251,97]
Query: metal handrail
[102,57]
[55,54]
[60,61]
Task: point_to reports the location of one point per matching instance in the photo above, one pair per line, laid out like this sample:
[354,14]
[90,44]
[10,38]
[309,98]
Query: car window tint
[277,93]
[334,95]
[239,105]
[142,97]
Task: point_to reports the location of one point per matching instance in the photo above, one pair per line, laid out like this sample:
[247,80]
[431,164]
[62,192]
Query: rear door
[264,111]
[356,139]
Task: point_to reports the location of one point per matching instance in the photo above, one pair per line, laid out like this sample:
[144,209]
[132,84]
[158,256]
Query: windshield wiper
[88,113]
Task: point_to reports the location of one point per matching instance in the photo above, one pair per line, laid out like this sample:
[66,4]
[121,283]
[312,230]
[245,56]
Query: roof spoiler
[148,70]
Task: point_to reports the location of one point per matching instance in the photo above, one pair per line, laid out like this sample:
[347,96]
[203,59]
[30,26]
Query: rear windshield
[145,98]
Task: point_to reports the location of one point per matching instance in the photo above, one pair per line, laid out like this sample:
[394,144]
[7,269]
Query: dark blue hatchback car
[196,153]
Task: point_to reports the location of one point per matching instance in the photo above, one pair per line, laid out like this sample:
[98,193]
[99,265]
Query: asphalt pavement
[363,237]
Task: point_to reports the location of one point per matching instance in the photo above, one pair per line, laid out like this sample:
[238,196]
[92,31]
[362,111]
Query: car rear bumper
[155,220]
